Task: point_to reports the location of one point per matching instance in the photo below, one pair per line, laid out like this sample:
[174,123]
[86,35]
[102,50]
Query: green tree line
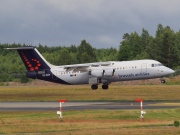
[164,47]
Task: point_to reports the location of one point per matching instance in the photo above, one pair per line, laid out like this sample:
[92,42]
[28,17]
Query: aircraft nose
[169,71]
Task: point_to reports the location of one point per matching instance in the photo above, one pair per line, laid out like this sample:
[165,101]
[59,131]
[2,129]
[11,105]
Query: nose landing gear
[163,80]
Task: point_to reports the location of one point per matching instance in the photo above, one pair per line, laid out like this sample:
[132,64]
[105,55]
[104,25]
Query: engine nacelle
[97,72]
[109,72]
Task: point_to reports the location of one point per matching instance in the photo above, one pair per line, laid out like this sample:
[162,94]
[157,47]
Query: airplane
[90,73]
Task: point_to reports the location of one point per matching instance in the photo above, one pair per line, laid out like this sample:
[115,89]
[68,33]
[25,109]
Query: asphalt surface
[37,106]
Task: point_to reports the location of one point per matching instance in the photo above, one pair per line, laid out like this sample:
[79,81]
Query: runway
[38,106]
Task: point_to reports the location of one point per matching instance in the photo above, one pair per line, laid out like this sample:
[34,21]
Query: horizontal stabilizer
[21,48]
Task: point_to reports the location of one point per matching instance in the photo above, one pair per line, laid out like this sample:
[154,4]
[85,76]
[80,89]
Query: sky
[102,23]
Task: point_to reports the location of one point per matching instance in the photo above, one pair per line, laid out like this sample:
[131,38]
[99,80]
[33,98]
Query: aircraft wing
[76,66]
[97,64]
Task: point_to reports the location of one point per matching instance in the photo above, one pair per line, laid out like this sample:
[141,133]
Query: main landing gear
[95,86]
[105,86]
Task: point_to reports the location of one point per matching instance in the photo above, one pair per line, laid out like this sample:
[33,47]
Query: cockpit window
[156,65]
[160,64]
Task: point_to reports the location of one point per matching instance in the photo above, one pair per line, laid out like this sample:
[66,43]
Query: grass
[89,122]
[84,93]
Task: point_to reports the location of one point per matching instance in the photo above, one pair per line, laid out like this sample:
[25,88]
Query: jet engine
[109,72]
[102,72]
[97,72]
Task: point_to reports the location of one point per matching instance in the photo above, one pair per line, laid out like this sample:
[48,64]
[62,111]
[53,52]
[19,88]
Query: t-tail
[36,64]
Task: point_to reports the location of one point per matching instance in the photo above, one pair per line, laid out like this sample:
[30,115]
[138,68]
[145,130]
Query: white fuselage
[122,71]
[89,73]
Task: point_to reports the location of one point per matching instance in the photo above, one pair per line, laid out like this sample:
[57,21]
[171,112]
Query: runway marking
[165,104]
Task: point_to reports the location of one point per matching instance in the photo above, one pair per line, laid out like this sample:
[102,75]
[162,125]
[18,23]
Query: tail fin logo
[30,65]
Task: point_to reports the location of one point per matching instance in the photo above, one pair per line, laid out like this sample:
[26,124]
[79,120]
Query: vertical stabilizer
[32,59]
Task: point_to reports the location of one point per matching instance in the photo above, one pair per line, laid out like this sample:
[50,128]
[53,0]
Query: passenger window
[152,65]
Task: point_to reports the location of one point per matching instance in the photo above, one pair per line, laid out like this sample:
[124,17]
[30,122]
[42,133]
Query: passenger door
[144,68]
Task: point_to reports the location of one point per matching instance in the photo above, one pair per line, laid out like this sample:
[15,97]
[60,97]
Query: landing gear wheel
[105,87]
[94,86]
[163,81]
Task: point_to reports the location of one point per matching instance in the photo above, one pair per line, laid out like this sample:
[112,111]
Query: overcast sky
[102,23]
